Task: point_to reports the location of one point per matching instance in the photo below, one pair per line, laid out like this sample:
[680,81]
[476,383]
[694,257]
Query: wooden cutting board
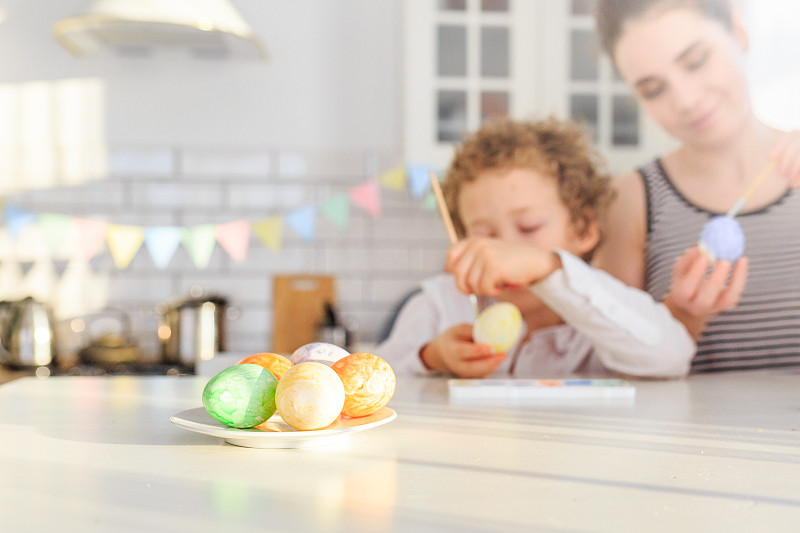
[298,305]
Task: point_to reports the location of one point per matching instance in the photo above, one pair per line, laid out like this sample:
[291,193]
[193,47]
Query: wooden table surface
[711,453]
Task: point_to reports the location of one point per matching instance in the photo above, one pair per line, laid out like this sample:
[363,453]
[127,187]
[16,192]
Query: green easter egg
[241,396]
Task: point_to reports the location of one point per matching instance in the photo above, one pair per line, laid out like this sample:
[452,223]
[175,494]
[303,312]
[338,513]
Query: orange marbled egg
[275,363]
[369,383]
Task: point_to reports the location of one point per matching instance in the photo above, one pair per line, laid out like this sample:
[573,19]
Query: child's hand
[455,351]
[485,266]
[787,158]
[694,297]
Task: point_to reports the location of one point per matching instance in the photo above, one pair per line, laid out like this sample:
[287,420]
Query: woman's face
[687,72]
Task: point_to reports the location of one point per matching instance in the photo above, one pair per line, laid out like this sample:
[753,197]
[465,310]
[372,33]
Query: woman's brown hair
[611,15]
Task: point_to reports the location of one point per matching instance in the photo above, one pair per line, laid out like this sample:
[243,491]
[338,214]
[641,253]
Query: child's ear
[590,238]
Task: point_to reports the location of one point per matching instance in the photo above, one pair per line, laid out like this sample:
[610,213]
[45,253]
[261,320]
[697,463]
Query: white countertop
[712,453]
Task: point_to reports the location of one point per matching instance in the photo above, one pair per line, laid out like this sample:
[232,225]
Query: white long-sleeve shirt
[610,328]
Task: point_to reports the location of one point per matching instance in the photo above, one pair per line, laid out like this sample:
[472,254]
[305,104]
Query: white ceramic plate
[275,433]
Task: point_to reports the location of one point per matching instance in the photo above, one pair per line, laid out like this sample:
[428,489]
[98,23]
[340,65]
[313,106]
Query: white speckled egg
[499,326]
[321,352]
[309,396]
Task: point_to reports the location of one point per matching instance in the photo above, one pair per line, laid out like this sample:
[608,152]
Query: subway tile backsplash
[375,261]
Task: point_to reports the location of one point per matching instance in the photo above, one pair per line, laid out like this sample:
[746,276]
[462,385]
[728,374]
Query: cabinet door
[470,60]
[466,61]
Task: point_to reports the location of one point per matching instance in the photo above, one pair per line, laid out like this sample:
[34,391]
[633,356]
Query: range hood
[204,28]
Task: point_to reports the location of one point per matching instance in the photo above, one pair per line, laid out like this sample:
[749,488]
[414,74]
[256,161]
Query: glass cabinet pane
[452,48]
[582,7]
[494,104]
[583,109]
[494,5]
[583,55]
[625,128]
[452,5]
[451,121]
[494,52]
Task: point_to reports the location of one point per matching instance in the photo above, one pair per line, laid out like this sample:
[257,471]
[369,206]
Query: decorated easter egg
[499,326]
[321,352]
[275,363]
[309,396]
[368,380]
[241,396]
[722,238]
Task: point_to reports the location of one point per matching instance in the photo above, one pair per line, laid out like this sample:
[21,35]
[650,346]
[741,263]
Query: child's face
[687,72]
[520,205]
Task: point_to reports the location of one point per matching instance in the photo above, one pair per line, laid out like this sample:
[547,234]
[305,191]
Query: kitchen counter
[711,453]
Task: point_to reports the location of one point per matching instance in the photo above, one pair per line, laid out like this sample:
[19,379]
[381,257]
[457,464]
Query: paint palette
[487,391]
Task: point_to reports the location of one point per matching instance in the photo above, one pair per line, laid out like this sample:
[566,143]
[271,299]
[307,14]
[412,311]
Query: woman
[684,60]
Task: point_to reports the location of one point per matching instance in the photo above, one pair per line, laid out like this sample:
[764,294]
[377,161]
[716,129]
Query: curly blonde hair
[556,148]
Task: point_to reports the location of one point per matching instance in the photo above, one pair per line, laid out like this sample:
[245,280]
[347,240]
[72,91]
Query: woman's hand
[787,158]
[486,266]
[455,351]
[696,296]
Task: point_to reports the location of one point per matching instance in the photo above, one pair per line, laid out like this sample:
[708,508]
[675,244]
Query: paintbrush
[451,230]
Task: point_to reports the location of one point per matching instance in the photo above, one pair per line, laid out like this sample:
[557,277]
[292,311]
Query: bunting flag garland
[55,228]
[234,237]
[199,242]
[418,180]
[303,222]
[367,197]
[337,210]
[429,204]
[123,243]
[394,179]
[270,232]
[91,236]
[162,243]
[16,219]
[87,237]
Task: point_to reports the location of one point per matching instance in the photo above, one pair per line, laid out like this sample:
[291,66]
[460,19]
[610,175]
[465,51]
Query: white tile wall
[375,261]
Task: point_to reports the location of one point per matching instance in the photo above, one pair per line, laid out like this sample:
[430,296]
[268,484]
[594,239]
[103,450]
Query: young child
[526,198]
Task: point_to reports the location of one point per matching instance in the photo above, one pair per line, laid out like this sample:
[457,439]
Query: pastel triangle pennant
[303,222]
[367,197]
[162,242]
[17,219]
[394,179]
[337,210]
[55,228]
[429,202]
[269,231]
[199,241]
[234,237]
[419,180]
[123,243]
[91,236]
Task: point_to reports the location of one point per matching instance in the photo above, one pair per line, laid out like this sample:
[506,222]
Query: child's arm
[632,333]
[483,265]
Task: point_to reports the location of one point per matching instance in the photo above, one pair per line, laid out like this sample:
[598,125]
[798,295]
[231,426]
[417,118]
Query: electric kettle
[27,338]
[192,329]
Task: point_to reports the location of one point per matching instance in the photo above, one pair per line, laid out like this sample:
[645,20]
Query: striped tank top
[763,330]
